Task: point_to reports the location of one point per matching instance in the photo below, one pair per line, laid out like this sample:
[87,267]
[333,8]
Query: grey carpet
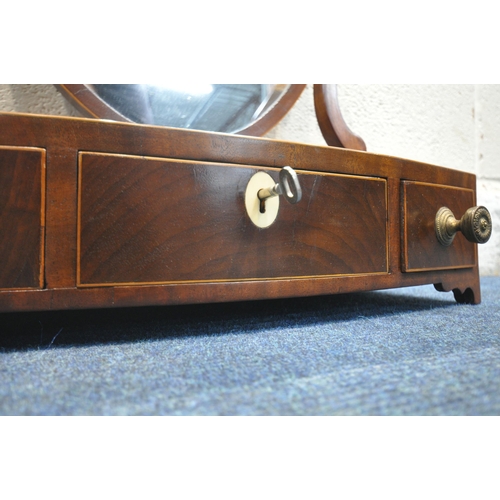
[399,352]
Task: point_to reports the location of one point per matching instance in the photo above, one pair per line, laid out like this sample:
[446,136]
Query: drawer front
[22,217]
[153,220]
[421,249]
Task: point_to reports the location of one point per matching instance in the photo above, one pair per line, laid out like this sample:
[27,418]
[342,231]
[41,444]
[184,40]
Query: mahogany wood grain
[60,270]
[81,134]
[421,249]
[22,217]
[463,282]
[145,220]
[103,197]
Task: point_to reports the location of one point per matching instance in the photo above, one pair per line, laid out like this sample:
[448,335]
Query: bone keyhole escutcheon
[263,193]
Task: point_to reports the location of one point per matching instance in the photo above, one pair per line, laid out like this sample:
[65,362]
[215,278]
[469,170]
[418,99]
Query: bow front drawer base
[103,214]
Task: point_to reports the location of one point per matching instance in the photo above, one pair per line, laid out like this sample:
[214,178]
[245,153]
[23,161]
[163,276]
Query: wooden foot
[466,295]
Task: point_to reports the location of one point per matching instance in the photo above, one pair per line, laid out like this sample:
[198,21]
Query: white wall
[42,99]
[456,126]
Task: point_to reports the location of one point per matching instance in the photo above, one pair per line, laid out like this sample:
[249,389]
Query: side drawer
[22,217]
[421,249]
[160,221]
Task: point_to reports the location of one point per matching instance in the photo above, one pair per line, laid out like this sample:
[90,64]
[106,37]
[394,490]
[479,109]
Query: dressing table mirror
[245,109]
[147,205]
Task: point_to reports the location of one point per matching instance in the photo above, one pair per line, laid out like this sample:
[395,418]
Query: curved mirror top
[231,108]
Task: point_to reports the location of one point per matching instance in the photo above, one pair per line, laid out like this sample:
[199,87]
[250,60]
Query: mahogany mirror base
[97,214]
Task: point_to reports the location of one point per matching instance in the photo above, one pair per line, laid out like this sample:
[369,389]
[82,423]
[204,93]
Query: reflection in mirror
[219,108]
[229,108]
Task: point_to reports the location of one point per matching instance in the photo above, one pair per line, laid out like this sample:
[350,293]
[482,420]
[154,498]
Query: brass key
[288,186]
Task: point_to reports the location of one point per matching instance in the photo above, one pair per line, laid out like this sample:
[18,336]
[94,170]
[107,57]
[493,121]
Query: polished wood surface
[22,217]
[103,196]
[421,249]
[148,220]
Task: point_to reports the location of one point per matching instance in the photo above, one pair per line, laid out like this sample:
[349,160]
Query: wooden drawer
[22,217]
[144,220]
[421,249]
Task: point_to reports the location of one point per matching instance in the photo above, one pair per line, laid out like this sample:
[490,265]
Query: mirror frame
[334,128]
[82,97]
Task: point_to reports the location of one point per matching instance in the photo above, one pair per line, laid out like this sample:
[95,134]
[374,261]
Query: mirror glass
[229,108]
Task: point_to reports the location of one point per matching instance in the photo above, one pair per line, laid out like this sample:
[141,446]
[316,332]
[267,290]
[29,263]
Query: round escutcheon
[261,180]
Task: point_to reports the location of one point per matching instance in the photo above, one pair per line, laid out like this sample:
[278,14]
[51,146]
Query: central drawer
[144,220]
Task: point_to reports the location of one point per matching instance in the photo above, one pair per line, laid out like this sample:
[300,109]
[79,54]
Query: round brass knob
[475,225]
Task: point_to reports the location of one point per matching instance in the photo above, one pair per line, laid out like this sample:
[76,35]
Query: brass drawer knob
[475,225]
